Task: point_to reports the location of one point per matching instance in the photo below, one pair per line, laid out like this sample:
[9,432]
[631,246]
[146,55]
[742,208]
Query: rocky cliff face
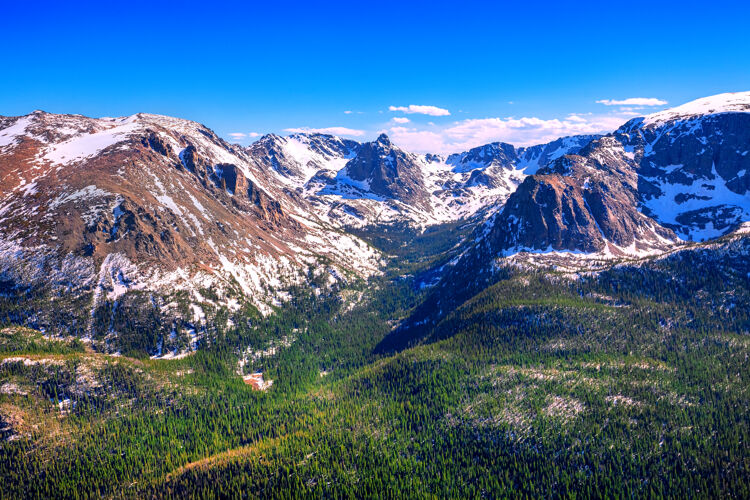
[532,158]
[382,169]
[640,191]
[693,167]
[680,173]
[99,208]
[580,203]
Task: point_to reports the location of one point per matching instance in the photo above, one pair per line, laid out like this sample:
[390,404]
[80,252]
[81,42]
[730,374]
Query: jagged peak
[321,140]
[269,139]
[491,148]
[313,135]
[434,158]
[383,140]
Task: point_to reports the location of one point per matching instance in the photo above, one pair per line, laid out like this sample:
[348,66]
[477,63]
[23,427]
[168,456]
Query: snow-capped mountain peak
[295,159]
[737,102]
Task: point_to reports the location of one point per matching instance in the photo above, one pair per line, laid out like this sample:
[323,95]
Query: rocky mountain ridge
[652,187]
[93,209]
[657,180]
[163,212]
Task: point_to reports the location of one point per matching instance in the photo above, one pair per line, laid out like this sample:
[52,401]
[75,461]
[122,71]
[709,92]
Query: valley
[312,316]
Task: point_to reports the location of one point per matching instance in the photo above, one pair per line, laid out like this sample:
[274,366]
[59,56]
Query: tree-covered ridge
[630,382]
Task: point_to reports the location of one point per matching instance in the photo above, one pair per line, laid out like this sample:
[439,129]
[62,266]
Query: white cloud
[633,101]
[401,119]
[241,136]
[525,131]
[419,109]
[326,130]
[418,141]
[348,112]
[631,111]
[576,118]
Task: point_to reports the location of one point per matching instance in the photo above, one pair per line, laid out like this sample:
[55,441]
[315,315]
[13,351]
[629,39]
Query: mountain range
[104,217]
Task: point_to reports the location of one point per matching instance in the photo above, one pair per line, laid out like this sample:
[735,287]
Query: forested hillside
[627,382]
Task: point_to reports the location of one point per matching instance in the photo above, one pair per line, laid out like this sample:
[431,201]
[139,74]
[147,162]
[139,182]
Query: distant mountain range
[154,208]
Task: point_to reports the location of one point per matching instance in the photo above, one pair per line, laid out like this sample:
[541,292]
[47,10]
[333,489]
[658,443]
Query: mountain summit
[387,171]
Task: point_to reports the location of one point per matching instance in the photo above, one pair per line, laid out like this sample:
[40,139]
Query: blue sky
[522,72]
